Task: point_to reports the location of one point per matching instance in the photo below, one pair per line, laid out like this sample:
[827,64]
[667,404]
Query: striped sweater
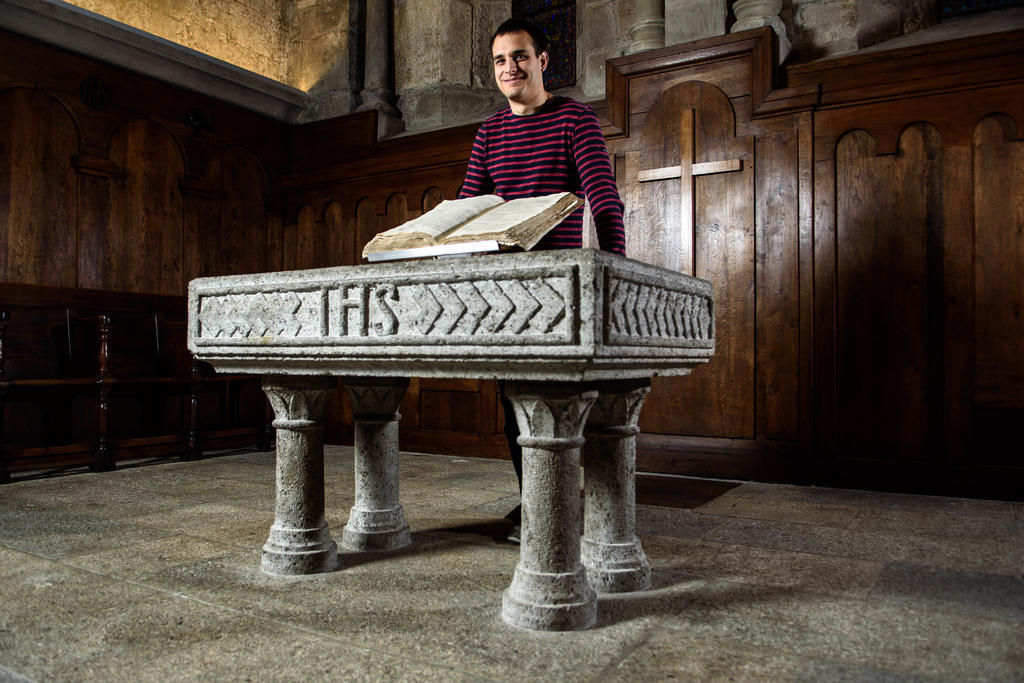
[557,149]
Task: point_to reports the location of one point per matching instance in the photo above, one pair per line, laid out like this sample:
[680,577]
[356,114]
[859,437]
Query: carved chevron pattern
[641,310]
[273,314]
[487,307]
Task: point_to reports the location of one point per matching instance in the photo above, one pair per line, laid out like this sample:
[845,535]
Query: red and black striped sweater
[557,149]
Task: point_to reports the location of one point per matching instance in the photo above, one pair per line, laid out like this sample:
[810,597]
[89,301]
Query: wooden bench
[91,377]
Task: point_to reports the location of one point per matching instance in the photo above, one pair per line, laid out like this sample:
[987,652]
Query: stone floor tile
[680,523]
[67,491]
[673,655]
[196,487]
[141,559]
[471,528]
[840,576]
[57,534]
[934,523]
[139,634]
[1000,554]
[94,497]
[438,600]
[228,524]
[96,570]
[836,672]
[971,593]
[891,638]
[851,497]
[759,507]
[12,676]
[497,507]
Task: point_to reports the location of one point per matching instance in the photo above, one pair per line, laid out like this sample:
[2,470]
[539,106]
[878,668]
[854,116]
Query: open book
[515,223]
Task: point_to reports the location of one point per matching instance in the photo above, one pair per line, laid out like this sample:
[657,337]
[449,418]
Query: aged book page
[519,222]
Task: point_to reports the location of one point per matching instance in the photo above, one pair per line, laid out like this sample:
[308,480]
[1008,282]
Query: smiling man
[541,144]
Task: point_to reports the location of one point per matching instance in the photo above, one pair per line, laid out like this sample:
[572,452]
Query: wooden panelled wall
[861,219]
[104,184]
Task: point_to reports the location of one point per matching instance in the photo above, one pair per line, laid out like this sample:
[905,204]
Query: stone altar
[576,334]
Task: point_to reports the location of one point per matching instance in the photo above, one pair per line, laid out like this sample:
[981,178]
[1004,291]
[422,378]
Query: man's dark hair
[515,24]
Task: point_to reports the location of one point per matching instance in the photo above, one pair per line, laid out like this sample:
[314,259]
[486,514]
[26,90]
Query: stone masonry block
[432,43]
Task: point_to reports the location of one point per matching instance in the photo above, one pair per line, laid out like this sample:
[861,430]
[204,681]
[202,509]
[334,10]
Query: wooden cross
[687,171]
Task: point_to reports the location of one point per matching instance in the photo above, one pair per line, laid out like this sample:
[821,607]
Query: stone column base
[376,530]
[615,567]
[292,552]
[570,603]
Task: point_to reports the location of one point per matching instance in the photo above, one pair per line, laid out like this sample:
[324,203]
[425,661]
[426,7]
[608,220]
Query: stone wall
[323,54]
[441,63]
[823,28]
[252,34]
[443,73]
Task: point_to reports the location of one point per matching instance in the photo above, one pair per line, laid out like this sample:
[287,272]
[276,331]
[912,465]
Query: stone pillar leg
[299,541]
[377,521]
[549,589]
[610,550]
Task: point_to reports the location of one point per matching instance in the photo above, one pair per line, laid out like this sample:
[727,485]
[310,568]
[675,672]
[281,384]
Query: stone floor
[152,574]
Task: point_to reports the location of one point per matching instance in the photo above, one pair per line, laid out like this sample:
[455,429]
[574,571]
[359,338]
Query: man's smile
[519,71]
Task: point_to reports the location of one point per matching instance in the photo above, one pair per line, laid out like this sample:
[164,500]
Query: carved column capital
[299,402]
[551,415]
[617,410]
[376,398]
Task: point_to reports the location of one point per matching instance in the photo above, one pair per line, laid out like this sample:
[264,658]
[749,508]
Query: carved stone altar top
[572,315]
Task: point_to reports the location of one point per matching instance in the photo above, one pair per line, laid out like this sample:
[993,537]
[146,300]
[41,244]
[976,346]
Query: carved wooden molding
[95,166]
[198,187]
[758,45]
[878,75]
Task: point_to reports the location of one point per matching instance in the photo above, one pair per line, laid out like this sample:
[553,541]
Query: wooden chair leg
[194,450]
[104,458]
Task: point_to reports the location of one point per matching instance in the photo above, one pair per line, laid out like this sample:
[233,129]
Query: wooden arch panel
[999,261]
[889,237]
[367,224]
[340,250]
[235,230]
[431,198]
[145,231]
[689,195]
[38,189]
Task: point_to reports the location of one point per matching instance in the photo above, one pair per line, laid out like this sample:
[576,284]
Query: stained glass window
[558,19]
[955,8]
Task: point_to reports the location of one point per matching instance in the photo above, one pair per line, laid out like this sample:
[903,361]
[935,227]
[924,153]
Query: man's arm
[598,182]
[478,181]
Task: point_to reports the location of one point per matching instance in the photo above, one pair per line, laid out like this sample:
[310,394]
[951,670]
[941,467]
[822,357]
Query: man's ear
[544,58]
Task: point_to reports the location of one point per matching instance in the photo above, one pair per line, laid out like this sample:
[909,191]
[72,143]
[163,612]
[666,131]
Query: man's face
[518,69]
